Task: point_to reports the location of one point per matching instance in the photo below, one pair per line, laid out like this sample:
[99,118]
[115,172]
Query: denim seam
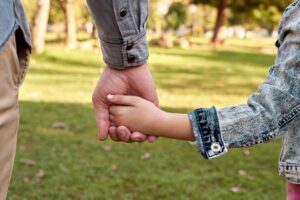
[272,134]
[121,40]
[290,171]
[132,18]
[292,5]
[196,131]
[126,67]
[289,117]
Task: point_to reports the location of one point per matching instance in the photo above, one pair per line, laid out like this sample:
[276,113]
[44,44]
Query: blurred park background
[202,53]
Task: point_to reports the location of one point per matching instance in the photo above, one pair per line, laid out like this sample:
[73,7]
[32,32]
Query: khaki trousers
[9,111]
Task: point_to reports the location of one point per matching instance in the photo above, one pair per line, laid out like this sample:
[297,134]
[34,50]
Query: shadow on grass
[220,72]
[242,58]
[68,59]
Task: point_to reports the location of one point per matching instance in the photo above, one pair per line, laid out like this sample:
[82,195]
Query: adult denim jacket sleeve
[268,113]
[121,25]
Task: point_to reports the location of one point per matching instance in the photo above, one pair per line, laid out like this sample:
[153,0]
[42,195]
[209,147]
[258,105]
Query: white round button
[215,147]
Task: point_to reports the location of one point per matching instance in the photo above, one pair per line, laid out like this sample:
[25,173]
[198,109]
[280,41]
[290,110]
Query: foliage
[213,3]
[267,17]
[177,15]
[153,14]
[262,13]
[56,14]
[30,7]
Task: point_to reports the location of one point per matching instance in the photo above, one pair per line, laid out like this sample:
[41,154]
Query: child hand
[135,113]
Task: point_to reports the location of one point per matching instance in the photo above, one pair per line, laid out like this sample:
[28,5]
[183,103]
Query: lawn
[59,157]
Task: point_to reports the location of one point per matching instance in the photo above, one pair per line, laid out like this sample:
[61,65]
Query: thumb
[102,120]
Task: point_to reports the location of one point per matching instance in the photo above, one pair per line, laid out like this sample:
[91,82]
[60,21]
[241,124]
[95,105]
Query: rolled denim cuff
[206,128]
[125,53]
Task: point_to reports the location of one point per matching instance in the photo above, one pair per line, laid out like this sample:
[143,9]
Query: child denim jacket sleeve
[121,25]
[270,113]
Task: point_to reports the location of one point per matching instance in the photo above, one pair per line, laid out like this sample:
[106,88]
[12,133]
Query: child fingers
[114,110]
[138,137]
[122,99]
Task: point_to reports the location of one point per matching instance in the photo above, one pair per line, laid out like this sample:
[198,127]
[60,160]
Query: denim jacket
[272,112]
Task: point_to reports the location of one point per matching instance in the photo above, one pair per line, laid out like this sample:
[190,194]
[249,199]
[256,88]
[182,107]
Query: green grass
[58,89]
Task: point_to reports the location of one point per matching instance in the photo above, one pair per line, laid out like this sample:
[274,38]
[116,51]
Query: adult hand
[135,81]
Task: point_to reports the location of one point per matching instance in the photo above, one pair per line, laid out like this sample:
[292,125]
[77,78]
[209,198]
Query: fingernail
[110,96]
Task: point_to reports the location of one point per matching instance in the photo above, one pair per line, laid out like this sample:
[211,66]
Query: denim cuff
[126,53]
[205,124]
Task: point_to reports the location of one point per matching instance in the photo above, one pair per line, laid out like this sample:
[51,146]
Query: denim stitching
[286,119]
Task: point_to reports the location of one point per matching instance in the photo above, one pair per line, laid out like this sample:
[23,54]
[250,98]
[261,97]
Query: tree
[221,18]
[39,25]
[267,17]
[261,12]
[176,16]
[154,21]
[68,8]
[221,6]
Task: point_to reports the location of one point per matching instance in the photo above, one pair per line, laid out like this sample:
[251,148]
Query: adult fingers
[138,137]
[102,120]
[151,138]
[112,131]
[123,133]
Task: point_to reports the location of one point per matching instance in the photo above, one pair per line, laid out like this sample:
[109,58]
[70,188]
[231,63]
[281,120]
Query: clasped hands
[136,81]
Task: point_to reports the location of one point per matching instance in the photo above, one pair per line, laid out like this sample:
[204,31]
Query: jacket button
[131,58]
[277,44]
[123,12]
[129,46]
[215,147]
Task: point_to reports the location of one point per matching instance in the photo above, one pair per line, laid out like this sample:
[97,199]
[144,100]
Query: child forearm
[173,125]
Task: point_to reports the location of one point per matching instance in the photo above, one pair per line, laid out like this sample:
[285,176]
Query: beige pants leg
[9,112]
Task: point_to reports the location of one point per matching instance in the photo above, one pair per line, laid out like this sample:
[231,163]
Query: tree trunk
[158,30]
[94,32]
[71,39]
[39,26]
[221,17]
